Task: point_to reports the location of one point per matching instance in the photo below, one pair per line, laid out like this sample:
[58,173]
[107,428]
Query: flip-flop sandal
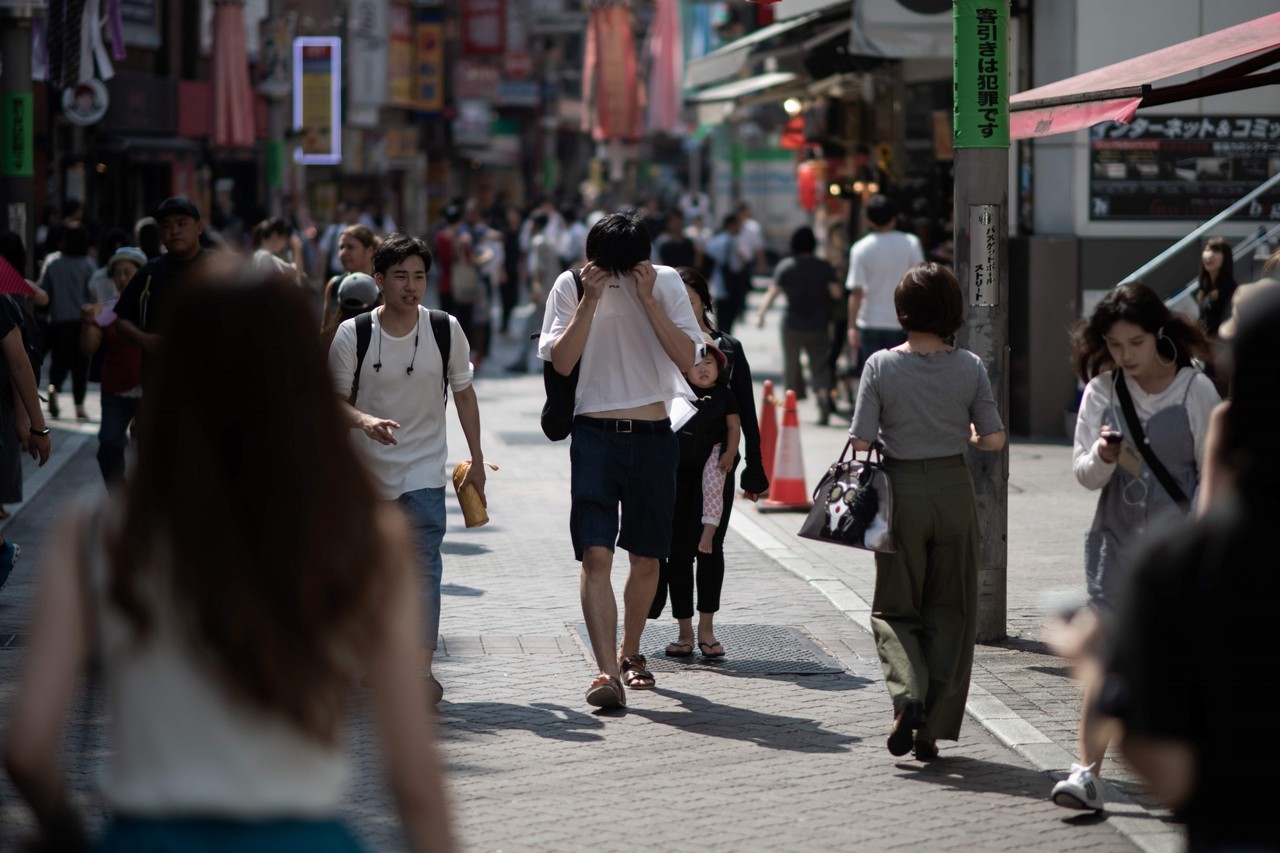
[635,673]
[705,647]
[678,649]
[607,694]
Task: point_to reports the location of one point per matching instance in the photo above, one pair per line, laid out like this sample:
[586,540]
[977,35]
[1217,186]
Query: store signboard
[317,109]
[428,77]
[475,80]
[17,135]
[368,29]
[400,61]
[140,22]
[474,123]
[556,16]
[1183,167]
[484,27]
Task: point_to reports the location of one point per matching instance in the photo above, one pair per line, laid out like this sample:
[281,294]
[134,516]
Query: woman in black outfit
[710,567]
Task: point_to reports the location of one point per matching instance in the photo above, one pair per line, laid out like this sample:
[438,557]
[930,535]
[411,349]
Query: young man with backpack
[632,328]
[393,369]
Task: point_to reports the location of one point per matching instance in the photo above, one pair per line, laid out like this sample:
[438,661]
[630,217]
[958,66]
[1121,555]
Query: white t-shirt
[1090,470]
[415,401]
[877,263]
[750,239]
[623,363]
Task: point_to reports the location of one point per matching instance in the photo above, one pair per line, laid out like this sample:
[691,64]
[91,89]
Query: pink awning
[1114,93]
[232,96]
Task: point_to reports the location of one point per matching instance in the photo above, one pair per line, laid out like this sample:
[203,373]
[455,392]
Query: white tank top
[182,746]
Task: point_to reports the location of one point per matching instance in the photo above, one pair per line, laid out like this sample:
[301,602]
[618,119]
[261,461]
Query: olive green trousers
[925,611]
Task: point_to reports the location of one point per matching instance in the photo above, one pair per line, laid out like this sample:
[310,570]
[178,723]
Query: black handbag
[853,504]
[562,391]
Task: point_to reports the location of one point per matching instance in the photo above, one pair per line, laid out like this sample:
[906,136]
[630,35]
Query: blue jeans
[113,435]
[424,509]
[874,340]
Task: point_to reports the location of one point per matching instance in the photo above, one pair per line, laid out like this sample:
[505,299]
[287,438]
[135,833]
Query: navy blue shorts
[637,470]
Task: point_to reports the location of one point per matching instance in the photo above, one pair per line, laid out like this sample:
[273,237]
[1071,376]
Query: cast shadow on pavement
[773,731]
[461,591]
[463,549]
[963,773]
[826,682]
[459,720]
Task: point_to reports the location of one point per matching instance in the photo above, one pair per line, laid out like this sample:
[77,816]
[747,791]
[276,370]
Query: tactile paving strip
[749,649]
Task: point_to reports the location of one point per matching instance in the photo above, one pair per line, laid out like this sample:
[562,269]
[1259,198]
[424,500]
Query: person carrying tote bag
[926,402]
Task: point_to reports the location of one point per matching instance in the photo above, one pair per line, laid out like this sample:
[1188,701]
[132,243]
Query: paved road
[711,759]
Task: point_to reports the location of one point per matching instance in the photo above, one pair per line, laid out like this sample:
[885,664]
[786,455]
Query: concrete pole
[981,144]
[17,118]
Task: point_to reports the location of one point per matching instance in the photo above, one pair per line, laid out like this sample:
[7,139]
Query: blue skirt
[207,835]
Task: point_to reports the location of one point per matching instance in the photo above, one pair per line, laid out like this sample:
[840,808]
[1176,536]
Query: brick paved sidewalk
[708,760]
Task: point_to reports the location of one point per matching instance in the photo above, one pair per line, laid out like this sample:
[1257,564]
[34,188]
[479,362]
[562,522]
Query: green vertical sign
[17,139]
[981,74]
[275,164]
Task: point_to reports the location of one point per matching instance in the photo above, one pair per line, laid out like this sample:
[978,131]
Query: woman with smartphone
[1140,441]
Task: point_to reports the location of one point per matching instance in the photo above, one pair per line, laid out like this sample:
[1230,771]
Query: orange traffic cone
[787,490]
[768,430]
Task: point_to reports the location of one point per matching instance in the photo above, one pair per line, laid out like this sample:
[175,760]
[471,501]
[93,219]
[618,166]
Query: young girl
[1131,347]
[708,444]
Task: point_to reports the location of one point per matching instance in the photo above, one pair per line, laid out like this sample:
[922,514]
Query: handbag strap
[1144,446]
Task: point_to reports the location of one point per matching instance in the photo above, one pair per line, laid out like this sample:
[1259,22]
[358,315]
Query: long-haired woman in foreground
[249,579]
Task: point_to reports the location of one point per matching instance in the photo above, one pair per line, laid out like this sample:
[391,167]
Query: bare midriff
[651,412]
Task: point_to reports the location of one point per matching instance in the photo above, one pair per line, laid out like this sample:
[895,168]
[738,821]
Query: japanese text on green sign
[981,74]
[16,135]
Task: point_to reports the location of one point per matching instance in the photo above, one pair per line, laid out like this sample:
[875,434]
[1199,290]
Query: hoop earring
[1161,336]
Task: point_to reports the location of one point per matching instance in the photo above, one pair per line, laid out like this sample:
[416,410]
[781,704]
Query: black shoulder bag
[562,391]
[1144,447]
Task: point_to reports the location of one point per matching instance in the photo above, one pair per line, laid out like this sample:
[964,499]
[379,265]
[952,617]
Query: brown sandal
[636,674]
[607,694]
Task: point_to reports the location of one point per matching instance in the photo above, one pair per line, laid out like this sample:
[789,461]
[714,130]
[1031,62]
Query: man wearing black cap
[144,304]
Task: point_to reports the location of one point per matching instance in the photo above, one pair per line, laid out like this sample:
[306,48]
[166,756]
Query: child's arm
[734,424]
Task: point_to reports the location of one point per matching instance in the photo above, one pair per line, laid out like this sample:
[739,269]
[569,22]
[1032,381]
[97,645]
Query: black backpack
[440,329]
[562,391]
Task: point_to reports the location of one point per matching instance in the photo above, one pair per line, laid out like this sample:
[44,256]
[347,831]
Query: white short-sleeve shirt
[623,362]
[877,263]
[415,401]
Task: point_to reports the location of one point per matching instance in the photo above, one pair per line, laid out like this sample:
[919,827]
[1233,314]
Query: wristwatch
[44,431]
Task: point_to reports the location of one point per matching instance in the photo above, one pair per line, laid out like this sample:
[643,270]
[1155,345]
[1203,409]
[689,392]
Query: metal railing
[1165,256]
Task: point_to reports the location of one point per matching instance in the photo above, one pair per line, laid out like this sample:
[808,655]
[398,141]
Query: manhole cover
[758,649]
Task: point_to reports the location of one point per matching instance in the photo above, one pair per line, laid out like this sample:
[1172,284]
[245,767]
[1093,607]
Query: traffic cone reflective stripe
[768,430]
[787,490]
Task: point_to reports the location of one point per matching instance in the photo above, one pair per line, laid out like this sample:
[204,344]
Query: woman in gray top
[66,280]
[926,402]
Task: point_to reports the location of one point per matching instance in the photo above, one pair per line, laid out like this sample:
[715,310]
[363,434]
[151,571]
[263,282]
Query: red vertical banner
[484,27]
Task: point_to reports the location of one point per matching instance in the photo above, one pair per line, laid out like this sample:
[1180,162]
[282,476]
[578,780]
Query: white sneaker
[1080,790]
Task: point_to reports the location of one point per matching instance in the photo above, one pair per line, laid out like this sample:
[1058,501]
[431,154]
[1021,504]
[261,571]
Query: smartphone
[1113,437]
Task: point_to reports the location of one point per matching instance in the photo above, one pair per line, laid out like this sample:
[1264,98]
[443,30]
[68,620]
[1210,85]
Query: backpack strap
[1144,446]
[364,334]
[442,331]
